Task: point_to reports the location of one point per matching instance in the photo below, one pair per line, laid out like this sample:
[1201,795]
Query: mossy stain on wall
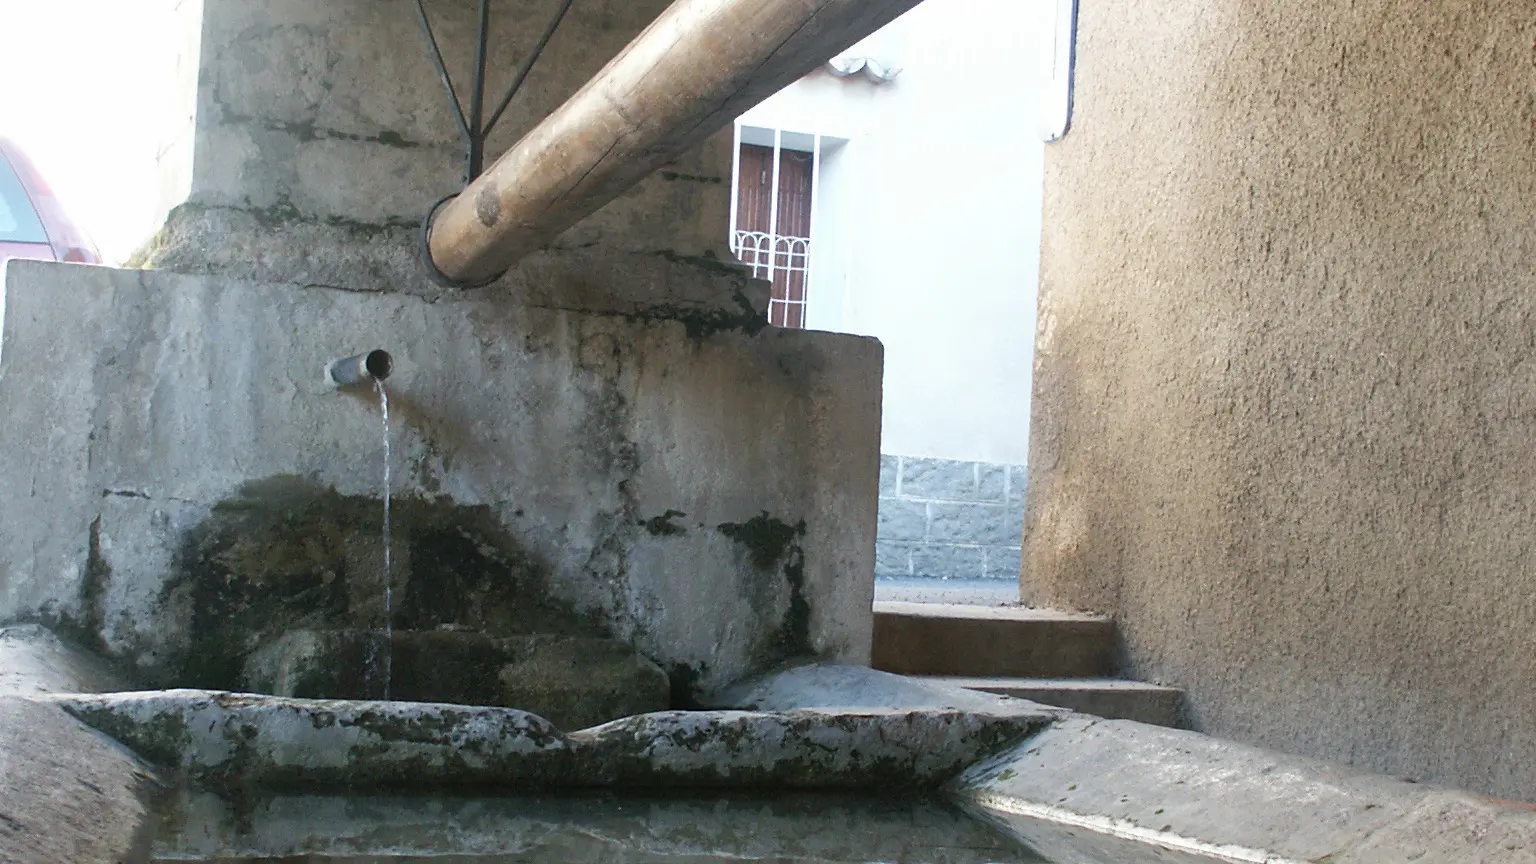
[287,554]
[774,546]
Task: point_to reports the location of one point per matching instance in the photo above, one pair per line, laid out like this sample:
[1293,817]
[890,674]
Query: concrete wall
[176,94]
[1284,411]
[323,136]
[928,227]
[706,495]
[612,435]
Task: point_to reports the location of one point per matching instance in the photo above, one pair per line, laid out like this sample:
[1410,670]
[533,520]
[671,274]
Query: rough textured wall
[323,136]
[705,494]
[1285,408]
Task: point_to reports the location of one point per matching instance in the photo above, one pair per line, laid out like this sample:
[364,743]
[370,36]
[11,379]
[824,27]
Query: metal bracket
[474,128]
[437,276]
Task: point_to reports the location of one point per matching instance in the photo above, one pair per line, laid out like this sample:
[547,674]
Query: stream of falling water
[389,629]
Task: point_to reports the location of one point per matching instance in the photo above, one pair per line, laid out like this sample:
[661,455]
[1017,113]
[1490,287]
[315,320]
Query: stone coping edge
[1089,790]
[68,792]
[232,741]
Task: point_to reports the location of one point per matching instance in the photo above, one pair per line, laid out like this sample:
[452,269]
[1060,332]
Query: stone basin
[258,778]
[593,827]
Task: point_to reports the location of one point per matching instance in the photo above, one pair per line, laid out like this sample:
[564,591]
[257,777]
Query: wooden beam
[700,65]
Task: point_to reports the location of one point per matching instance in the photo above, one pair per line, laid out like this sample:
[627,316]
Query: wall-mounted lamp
[843,67]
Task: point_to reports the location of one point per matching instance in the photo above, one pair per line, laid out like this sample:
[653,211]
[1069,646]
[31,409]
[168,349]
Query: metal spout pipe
[362,369]
[693,71]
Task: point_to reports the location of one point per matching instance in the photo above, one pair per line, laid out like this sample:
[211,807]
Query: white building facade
[909,178]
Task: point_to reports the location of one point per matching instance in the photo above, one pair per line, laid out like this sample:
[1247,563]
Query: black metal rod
[477,99]
[442,72]
[522,73]
[474,128]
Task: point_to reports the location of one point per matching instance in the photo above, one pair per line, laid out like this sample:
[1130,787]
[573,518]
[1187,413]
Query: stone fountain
[605,466]
[631,532]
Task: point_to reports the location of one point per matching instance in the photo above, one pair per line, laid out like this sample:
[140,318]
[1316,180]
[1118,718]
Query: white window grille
[781,260]
[782,257]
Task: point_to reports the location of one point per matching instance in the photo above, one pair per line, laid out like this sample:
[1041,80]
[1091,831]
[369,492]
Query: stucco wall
[1285,413]
[928,227]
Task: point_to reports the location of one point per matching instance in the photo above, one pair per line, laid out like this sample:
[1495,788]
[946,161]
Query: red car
[32,222]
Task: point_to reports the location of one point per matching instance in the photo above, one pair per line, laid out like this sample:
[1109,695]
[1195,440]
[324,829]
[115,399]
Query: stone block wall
[627,470]
[322,137]
[942,518]
[609,423]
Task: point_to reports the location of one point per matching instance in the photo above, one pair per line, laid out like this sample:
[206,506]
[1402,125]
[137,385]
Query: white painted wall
[927,233]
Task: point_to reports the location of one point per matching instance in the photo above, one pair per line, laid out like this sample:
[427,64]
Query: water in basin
[592,828]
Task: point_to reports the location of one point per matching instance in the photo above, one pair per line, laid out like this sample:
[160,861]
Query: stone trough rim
[229,740]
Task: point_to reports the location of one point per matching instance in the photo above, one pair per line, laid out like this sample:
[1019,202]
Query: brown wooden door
[782,248]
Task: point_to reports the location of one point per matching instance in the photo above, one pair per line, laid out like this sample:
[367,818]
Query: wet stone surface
[573,681]
[33,660]
[243,743]
[817,828]
[290,555]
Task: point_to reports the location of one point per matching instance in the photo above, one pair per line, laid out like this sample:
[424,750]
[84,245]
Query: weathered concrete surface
[1061,843]
[33,660]
[1283,412]
[68,793]
[573,681]
[869,749]
[1453,828]
[243,741]
[622,474]
[1090,781]
[323,136]
[832,687]
[1190,786]
[785,827]
[578,683]
[1110,698]
[240,741]
[232,242]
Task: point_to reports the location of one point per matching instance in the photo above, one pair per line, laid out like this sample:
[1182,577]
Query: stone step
[1114,698]
[1012,641]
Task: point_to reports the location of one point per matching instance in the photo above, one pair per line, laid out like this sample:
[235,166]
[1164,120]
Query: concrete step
[1010,641]
[1114,698]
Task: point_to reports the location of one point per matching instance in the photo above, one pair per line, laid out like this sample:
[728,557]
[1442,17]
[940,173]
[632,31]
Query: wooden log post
[692,71]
